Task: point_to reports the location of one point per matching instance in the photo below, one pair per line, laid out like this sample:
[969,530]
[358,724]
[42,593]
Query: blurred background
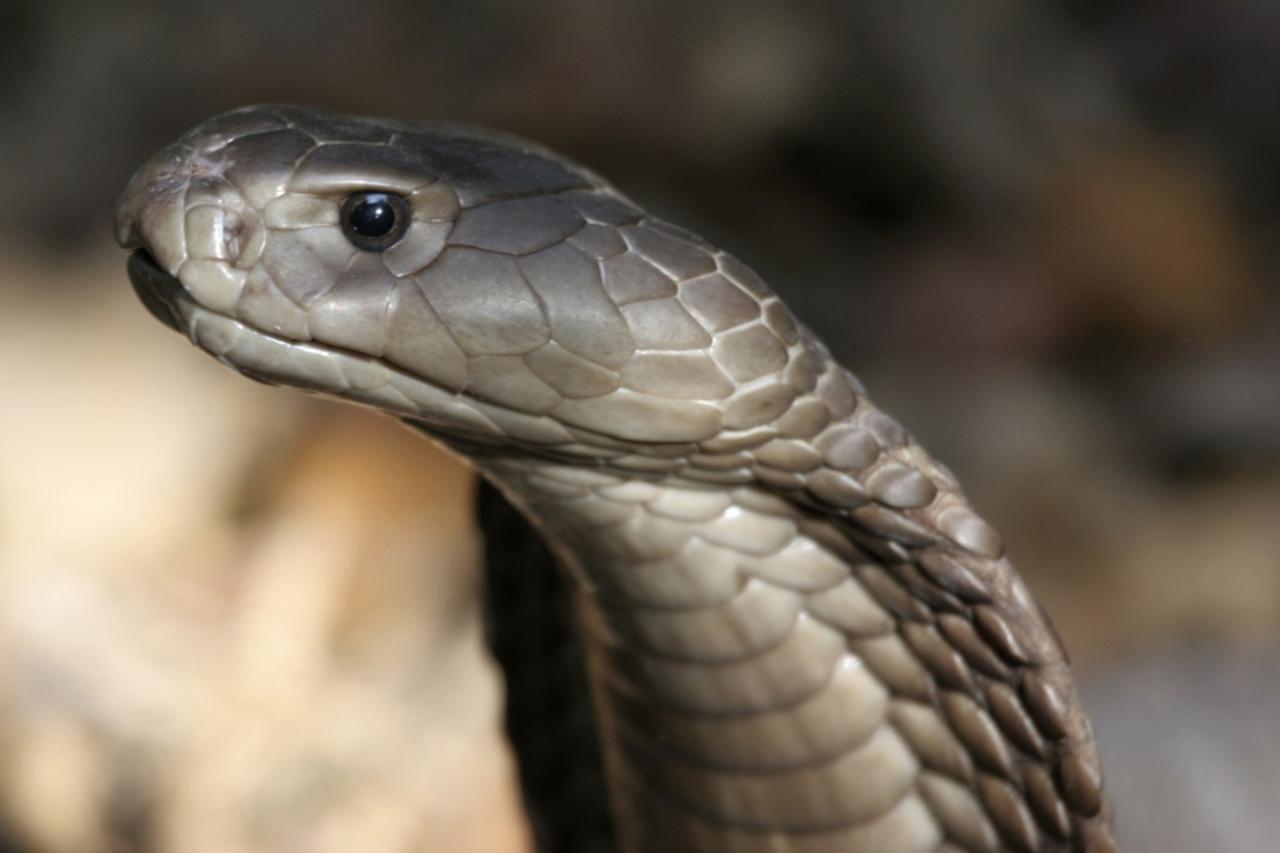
[234,618]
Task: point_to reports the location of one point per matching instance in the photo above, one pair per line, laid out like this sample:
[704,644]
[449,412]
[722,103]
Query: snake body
[799,636]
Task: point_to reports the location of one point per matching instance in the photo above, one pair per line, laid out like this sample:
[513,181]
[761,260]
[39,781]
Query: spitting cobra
[797,635]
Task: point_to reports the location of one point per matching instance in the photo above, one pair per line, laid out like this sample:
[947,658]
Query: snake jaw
[157,290]
[524,285]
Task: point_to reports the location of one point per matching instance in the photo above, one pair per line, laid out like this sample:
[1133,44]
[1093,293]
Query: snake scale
[798,636]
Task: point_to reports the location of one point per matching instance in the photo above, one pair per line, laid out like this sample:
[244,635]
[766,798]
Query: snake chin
[156,289]
[319,368]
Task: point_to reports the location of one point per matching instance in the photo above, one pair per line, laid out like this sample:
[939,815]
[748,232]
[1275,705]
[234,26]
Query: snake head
[475,283]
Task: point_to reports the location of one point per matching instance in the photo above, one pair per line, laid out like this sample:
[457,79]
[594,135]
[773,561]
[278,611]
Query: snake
[792,632]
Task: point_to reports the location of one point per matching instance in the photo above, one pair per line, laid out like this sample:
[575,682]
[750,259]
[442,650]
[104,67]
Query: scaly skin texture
[800,636]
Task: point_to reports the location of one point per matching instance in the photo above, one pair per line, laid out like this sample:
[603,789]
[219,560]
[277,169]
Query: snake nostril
[209,232]
[233,235]
[246,237]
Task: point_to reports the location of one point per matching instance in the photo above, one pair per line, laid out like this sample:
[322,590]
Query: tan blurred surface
[233,619]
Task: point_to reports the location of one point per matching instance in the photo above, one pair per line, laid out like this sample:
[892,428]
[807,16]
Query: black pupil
[373,216]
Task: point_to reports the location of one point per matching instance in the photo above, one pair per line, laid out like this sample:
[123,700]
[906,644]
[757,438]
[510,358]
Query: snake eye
[374,221]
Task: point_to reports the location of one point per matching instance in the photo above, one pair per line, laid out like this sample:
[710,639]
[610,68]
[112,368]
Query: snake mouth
[311,365]
[156,289]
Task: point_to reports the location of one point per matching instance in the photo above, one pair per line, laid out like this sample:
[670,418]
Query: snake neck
[789,640]
[729,712]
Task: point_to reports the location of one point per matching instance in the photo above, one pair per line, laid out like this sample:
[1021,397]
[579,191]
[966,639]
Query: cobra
[798,634]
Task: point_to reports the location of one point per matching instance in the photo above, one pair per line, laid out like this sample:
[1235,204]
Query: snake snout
[193,222]
[149,213]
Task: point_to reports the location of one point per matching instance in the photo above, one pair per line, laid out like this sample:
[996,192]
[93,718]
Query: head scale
[470,281]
